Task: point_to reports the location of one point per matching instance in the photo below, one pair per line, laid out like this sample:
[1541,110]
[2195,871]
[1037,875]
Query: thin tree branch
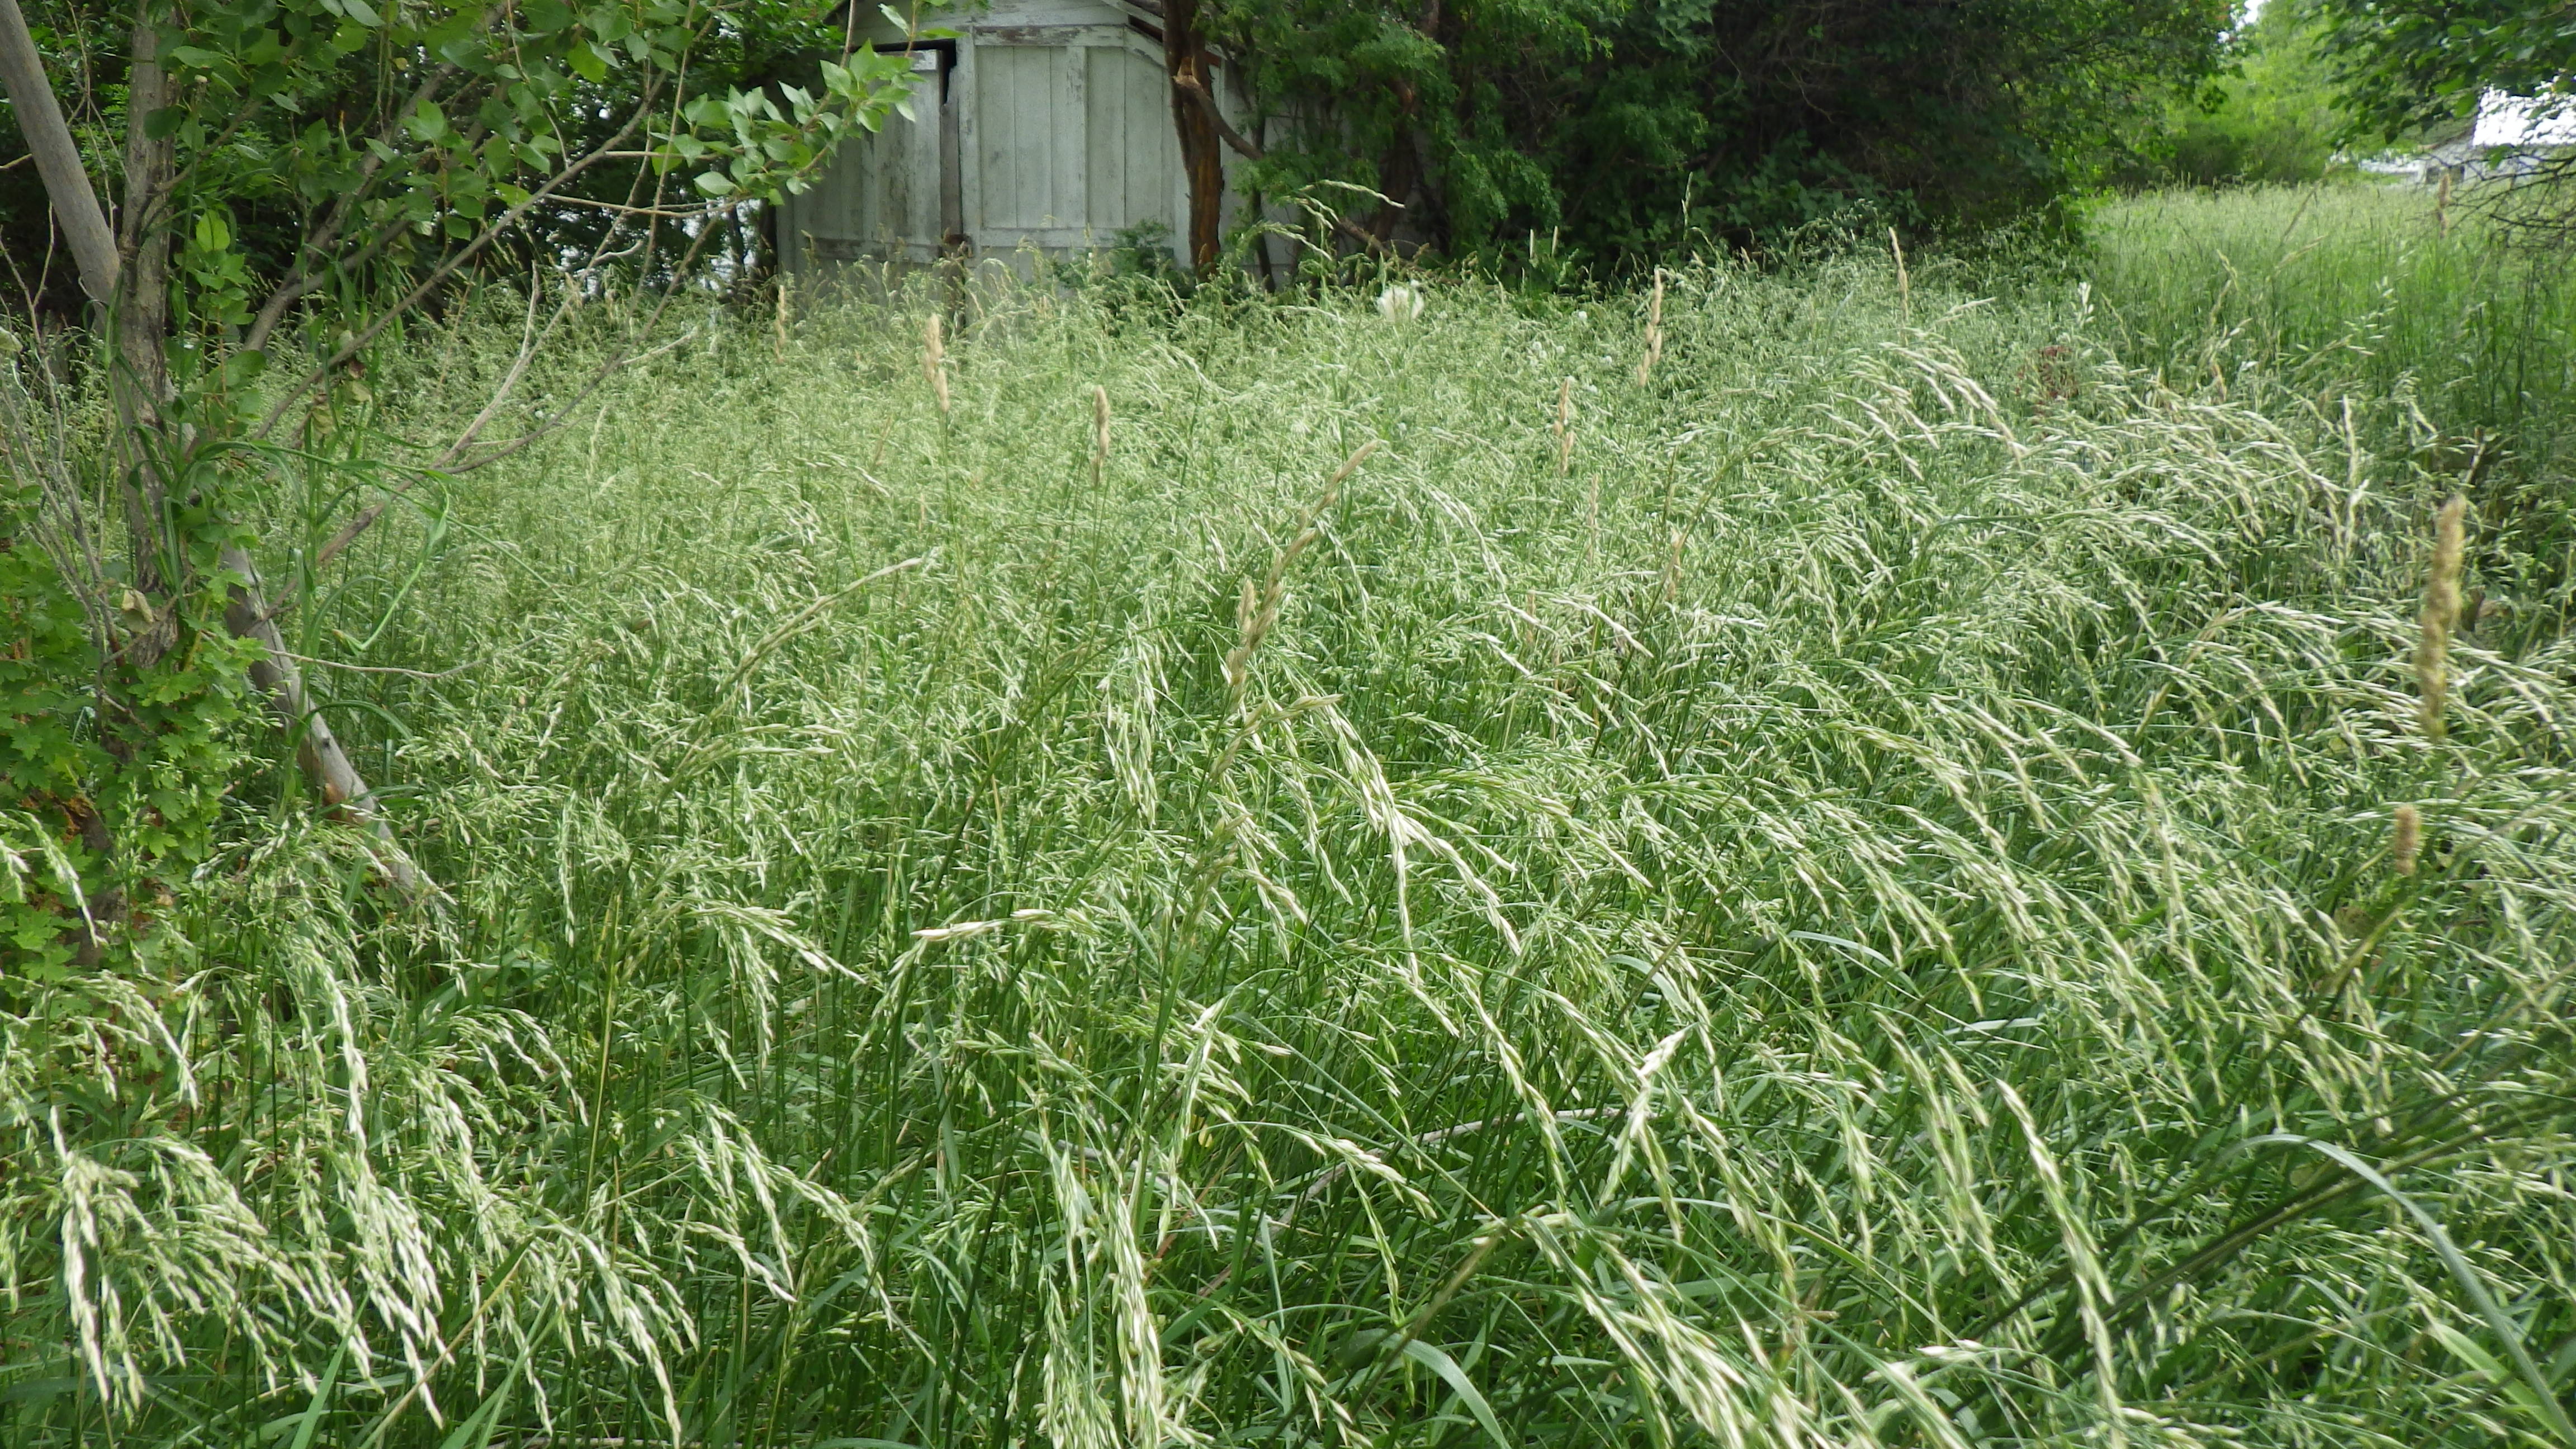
[445,269]
[366,519]
[317,749]
[1188,85]
[370,173]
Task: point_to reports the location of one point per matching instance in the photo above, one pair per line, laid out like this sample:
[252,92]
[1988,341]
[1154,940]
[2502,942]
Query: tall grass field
[2376,293]
[1817,859]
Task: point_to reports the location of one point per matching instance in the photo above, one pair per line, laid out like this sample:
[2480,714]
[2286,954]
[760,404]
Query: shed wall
[1063,139]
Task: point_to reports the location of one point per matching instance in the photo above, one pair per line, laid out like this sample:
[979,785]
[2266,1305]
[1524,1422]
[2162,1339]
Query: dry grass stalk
[1654,331]
[2408,840]
[1258,608]
[2441,613]
[1904,284]
[1099,434]
[1564,427]
[934,362]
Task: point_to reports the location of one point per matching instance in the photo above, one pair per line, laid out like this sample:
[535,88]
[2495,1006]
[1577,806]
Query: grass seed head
[934,360]
[1401,303]
[2407,839]
[1654,331]
[2441,613]
[1831,774]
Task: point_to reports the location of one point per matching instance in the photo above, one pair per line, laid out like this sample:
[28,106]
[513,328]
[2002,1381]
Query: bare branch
[446,269]
[1188,85]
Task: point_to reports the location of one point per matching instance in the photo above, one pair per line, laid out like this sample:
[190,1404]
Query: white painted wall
[2505,120]
[1063,139]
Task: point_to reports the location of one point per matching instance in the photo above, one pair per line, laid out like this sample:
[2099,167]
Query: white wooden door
[1068,139]
[1134,159]
[879,198]
[1023,132]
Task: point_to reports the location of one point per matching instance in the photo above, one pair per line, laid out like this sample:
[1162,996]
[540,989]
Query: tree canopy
[2409,63]
[1622,128]
[296,124]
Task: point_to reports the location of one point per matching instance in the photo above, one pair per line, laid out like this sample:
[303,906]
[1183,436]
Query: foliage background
[1611,131]
[2270,116]
[1622,130]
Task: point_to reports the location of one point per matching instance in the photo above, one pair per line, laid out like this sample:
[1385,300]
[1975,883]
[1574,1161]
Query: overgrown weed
[1843,900]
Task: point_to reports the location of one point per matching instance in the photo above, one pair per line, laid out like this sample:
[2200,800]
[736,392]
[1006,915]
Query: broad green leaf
[1447,1368]
[428,123]
[475,1430]
[243,367]
[311,1418]
[2525,1396]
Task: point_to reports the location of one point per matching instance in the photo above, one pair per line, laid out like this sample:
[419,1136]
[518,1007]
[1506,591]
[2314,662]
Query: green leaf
[427,123]
[243,367]
[312,1415]
[2506,1381]
[475,1430]
[586,62]
[716,183]
[361,12]
[2537,1395]
[1456,1377]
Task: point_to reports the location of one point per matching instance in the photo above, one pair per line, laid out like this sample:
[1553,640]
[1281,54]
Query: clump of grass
[2450,335]
[1842,984]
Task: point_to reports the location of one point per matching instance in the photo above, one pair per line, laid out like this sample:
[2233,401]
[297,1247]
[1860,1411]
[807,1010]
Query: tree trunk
[58,162]
[317,750]
[1401,171]
[141,322]
[143,225]
[151,440]
[1185,59]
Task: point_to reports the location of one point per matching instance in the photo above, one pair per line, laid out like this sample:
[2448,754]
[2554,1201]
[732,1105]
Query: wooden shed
[1043,123]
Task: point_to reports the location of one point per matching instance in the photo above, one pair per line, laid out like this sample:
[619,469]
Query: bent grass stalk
[2440,615]
[934,362]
